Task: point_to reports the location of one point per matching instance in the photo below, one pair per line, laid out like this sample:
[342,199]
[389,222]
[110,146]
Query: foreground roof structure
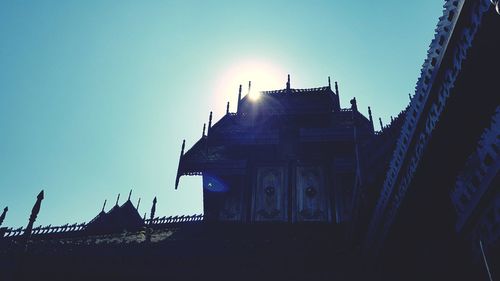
[296,187]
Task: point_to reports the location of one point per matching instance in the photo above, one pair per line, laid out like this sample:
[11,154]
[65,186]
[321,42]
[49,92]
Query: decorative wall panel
[270,195]
[311,197]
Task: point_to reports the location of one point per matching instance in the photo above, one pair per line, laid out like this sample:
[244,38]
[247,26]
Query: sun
[263,74]
[254,96]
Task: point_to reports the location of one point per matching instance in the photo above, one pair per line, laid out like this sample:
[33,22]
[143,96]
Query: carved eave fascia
[454,35]
[310,91]
[476,179]
[206,156]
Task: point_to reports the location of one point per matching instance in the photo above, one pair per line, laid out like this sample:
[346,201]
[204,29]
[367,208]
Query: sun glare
[254,95]
[263,74]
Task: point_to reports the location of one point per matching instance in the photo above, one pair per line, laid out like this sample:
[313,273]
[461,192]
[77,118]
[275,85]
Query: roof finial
[409,95]
[153,210]
[288,82]
[249,87]
[392,119]
[117,199]
[354,105]
[2,217]
[203,133]
[381,125]
[227,108]
[329,83]
[177,178]
[34,214]
[209,123]
[336,88]
[129,194]
[239,99]
[104,205]
[370,115]
[138,203]
[183,146]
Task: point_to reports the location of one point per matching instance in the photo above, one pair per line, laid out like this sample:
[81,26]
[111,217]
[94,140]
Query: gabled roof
[119,218]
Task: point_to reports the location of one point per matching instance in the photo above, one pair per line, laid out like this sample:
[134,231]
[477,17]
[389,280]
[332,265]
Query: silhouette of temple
[292,155]
[297,188]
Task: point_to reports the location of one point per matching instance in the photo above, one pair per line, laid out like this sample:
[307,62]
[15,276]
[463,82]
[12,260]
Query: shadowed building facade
[289,155]
[296,187]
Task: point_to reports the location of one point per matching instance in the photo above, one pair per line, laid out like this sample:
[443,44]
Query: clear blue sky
[96,96]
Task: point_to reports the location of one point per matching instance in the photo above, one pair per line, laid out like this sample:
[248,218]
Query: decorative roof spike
[34,214]
[104,205]
[409,95]
[329,83]
[209,123]
[354,105]
[177,178]
[370,115]
[203,133]
[117,199]
[138,203]
[381,125]
[336,88]
[239,98]
[153,209]
[392,119]
[288,82]
[227,108]
[183,146]
[129,194]
[249,87]
[2,217]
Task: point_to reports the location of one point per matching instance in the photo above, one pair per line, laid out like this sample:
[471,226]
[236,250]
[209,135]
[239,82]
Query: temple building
[297,188]
[290,155]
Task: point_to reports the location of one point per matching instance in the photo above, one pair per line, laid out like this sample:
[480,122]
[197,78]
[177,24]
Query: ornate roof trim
[424,111]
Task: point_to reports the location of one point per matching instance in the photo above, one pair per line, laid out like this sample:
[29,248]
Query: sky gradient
[97,96]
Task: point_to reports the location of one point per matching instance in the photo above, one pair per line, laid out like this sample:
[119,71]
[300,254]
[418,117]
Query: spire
[227,108]
[2,217]
[249,87]
[370,117]
[34,214]
[381,125]
[203,133]
[288,83]
[336,88]
[129,194]
[239,99]
[329,83]
[117,199]
[153,210]
[104,205]
[209,123]
[138,203]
